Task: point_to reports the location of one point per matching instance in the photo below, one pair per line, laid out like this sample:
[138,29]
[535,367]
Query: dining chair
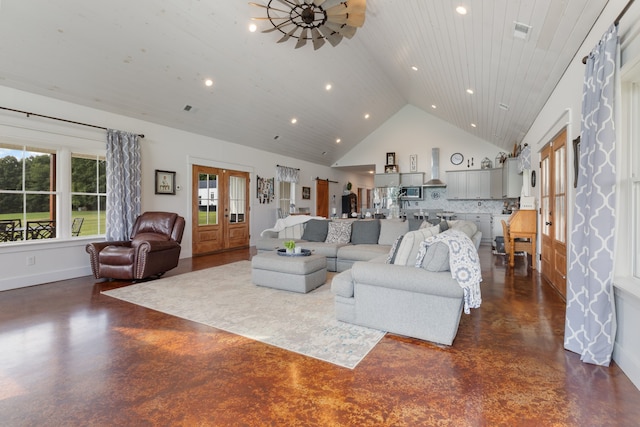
[44,229]
[76,225]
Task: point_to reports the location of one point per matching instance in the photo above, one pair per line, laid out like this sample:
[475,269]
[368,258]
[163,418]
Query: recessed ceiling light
[366,116]
[338,141]
[461,10]
[253,27]
[434,106]
[328,86]
[503,106]
[473,125]
[208,82]
[276,137]
[414,68]
[294,121]
[470,91]
[324,153]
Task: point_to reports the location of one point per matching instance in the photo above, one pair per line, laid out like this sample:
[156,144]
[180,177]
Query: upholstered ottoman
[290,273]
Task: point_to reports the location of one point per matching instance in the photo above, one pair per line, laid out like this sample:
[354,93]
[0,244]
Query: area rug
[225,298]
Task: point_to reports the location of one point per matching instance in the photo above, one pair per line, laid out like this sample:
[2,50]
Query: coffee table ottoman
[290,273]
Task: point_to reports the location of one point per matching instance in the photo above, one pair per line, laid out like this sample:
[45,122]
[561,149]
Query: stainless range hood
[435,170]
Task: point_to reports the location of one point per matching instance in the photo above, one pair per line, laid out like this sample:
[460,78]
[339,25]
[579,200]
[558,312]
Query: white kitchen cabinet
[456,184]
[383,180]
[479,184]
[412,179]
[511,179]
[469,184]
[496,183]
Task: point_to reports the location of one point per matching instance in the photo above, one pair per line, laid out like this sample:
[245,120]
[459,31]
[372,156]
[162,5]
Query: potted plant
[290,245]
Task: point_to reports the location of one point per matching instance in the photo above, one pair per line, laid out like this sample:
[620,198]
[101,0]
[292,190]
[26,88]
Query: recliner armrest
[155,245]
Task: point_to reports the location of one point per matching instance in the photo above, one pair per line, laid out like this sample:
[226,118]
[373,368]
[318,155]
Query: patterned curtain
[124,173]
[590,326]
[286,174]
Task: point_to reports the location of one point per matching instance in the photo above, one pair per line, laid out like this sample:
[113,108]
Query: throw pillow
[316,230]
[414,223]
[411,244]
[425,224]
[433,258]
[394,250]
[339,232]
[365,232]
[390,229]
[444,226]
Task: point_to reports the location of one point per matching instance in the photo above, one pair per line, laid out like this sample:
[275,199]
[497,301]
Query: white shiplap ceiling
[148,59]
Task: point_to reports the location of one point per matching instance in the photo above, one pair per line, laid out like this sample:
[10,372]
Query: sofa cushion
[414,223]
[394,250]
[292,232]
[316,230]
[433,258]
[467,227]
[365,232]
[390,229]
[339,232]
[444,226]
[410,244]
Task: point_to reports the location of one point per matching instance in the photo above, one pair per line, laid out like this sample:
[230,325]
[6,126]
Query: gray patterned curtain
[124,173]
[590,326]
[286,174]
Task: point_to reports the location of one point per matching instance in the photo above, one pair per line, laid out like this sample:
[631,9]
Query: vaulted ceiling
[149,59]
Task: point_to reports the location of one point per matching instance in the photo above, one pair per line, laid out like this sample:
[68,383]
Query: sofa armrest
[407,278]
[269,234]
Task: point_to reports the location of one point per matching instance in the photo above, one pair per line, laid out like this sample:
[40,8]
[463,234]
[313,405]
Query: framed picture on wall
[306,193]
[165,182]
[391,158]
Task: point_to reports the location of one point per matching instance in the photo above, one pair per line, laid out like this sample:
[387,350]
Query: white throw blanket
[464,264]
[283,223]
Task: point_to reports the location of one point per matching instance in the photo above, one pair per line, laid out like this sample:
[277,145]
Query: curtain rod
[320,179]
[280,166]
[616,22]
[59,119]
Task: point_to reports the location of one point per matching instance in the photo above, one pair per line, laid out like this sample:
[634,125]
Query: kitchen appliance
[435,170]
[411,193]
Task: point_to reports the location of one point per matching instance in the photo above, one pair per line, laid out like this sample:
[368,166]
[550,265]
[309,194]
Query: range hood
[435,170]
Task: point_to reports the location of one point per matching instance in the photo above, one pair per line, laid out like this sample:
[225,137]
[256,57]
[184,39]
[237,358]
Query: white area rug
[225,298]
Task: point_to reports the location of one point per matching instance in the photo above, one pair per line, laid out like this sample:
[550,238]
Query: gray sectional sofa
[378,284]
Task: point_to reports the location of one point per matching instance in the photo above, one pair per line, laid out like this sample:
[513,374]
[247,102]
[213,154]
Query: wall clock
[457,158]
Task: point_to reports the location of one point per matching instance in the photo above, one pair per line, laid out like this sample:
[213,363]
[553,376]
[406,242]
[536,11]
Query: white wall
[162,148]
[563,109]
[414,131]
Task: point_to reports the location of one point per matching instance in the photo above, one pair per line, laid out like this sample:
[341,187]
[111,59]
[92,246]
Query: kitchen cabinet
[469,184]
[496,183]
[483,222]
[511,179]
[456,185]
[383,180]
[411,179]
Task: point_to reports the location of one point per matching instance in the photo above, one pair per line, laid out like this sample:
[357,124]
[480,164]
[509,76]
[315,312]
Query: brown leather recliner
[154,249]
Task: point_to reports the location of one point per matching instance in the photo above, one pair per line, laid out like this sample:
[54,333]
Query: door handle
[548,223]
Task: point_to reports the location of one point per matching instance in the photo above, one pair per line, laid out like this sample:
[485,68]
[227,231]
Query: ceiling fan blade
[277,27]
[302,39]
[318,2]
[330,3]
[353,19]
[330,35]
[288,35]
[269,8]
[342,29]
[318,40]
[352,6]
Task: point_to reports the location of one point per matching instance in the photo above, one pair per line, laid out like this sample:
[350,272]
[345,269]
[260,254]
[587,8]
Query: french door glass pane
[207,199]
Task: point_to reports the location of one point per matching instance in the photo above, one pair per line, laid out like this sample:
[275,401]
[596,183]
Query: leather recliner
[154,249]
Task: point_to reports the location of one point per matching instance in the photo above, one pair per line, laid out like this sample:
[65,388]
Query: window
[88,195]
[31,191]
[27,193]
[287,198]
